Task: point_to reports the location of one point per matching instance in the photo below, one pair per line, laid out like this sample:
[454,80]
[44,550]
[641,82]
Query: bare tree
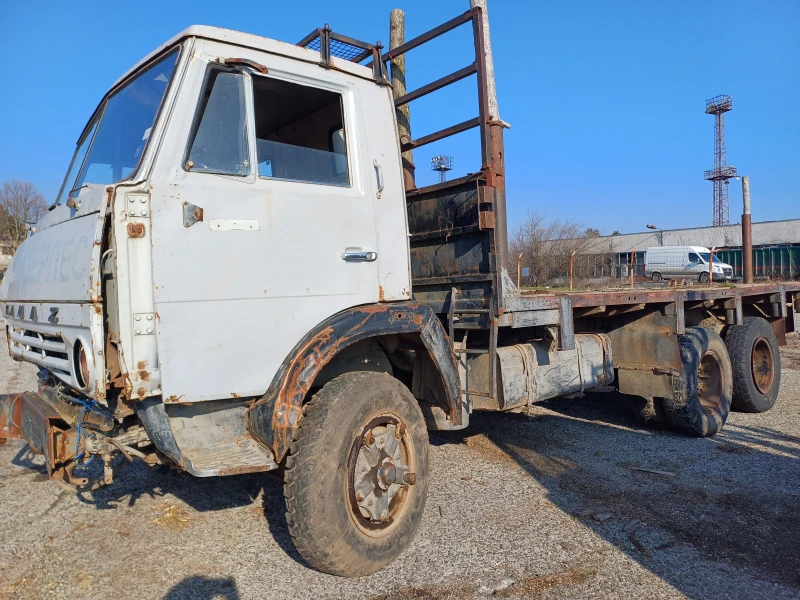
[546,245]
[20,204]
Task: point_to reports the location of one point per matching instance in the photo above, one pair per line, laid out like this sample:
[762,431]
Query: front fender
[274,417]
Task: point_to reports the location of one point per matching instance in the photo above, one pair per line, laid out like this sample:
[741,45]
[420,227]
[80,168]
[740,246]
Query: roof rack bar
[429,35]
[436,85]
[310,37]
[352,41]
[435,137]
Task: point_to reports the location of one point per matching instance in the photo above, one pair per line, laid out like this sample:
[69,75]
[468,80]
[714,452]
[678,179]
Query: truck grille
[728,272]
[46,350]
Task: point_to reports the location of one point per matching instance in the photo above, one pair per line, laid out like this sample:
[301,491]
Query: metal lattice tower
[721,173]
[443,164]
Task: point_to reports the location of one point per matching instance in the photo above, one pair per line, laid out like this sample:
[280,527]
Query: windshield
[116,141]
[706,256]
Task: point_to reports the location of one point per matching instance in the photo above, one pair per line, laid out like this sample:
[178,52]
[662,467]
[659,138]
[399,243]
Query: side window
[219,138]
[300,132]
[693,257]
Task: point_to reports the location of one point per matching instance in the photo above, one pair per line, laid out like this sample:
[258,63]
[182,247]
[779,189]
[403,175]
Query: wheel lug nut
[410,478]
[359,496]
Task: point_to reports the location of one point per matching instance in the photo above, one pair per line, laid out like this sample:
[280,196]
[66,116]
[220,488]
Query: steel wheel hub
[380,473]
[763,365]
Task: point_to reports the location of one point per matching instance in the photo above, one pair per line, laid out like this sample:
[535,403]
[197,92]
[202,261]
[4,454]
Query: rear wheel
[701,407]
[656,277]
[357,474]
[756,363]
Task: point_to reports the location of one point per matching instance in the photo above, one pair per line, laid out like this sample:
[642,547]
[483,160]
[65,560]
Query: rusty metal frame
[478,67]
[326,35]
[274,417]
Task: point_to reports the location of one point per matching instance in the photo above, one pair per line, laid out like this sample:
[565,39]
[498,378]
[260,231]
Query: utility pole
[747,233]
[397,37]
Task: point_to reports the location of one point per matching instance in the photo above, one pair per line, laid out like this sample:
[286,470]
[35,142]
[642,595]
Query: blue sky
[605,98]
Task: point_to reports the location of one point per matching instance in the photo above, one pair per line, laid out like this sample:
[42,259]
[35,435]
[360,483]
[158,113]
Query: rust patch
[280,409]
[144,376]
[141,392]
[10,417]
[235,395]
[173,398]
[135,230]
[142,364]
[380,293]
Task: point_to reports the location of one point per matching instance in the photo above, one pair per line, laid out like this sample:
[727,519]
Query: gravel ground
[543,506]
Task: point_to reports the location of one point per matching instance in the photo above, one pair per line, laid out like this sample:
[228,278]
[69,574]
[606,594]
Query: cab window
[300,133]
[693,257]
[219,138]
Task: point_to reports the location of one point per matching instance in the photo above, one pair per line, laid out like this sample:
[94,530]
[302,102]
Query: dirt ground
[552,505]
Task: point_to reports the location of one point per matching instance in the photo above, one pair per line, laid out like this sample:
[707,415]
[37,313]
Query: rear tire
[756,363]
[347,513]
[657,277]
[701,407]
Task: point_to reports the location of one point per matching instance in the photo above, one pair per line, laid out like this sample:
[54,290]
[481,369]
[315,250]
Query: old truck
[240,275]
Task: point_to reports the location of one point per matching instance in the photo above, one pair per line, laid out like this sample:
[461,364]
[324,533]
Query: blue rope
[78,422]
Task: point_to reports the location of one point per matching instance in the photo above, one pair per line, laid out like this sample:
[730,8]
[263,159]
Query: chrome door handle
[379,177]
[359,255]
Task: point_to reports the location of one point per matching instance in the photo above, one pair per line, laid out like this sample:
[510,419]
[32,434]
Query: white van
[668,262]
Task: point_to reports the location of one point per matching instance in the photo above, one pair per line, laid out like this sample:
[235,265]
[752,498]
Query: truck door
[263,221]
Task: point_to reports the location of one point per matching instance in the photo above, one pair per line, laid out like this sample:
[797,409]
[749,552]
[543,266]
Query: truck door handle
[359,255]
[378,176]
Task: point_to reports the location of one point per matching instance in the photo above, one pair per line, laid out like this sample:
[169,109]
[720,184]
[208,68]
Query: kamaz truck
[241,275]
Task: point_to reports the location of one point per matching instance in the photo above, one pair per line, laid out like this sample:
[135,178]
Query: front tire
[656,277]
[703,278]
[702,405]
[357,474]
[756,363]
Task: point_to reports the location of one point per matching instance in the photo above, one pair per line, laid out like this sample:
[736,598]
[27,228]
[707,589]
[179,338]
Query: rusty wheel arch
[273,418]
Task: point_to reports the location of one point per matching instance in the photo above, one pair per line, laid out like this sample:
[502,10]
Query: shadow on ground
[732,498]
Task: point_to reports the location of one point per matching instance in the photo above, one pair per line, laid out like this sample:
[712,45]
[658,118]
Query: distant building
[776,246]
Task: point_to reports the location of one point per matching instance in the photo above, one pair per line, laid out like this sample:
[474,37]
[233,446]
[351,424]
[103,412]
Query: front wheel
[357,474]
[656,277]
[703,278]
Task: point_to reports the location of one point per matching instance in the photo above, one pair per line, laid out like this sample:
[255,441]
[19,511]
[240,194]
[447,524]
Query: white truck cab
[231,235]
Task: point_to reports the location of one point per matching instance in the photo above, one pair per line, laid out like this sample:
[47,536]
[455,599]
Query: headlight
[81,365]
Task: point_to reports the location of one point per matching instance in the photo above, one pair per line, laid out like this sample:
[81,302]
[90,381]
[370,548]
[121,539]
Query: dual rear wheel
[742,372]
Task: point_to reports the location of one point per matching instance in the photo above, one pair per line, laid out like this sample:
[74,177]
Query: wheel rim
[709,386]
[763,365]
[381,471]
